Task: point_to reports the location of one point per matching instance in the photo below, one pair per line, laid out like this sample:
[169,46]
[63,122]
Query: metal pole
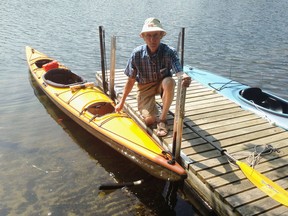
[112,68]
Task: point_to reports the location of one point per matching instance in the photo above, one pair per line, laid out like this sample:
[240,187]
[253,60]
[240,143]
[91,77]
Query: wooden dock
[212,120]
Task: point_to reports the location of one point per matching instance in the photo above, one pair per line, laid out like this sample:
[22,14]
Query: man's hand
[186,80]
[118,107]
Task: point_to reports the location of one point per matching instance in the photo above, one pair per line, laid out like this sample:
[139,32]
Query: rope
[224,85]
[254,158]
[263,114]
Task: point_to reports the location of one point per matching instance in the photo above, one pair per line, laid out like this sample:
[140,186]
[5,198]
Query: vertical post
[180,121]
[182,46]
[175,126]
[102,52]
[180,108]
[112,68]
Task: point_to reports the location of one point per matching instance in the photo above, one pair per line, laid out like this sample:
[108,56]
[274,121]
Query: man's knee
[168,83]
[150,120]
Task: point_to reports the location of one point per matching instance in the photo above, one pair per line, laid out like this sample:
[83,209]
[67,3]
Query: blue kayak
[262,103]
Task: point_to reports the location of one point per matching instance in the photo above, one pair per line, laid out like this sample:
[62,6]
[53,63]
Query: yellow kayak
[87,105]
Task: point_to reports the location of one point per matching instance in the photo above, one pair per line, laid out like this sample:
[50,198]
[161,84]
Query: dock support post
[112,68]
[180,117]
[180,108]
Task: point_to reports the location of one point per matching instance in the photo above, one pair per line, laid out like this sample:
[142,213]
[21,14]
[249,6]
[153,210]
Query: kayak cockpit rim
[62,78]
[267,101]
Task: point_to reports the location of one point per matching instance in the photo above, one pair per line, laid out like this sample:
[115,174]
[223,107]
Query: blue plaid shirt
[146,68]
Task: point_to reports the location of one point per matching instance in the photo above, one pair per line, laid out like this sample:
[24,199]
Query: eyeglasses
[150,36]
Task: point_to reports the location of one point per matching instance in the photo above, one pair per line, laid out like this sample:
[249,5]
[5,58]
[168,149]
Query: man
[150,65]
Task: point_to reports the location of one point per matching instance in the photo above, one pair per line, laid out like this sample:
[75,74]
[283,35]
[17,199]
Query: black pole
[182,46]
[102,52]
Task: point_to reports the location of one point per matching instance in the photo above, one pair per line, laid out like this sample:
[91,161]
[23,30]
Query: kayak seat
[61,78]
[101,108]
[273,104]
[254,94]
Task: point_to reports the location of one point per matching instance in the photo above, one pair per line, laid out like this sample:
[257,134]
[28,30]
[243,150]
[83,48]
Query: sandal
[162,129]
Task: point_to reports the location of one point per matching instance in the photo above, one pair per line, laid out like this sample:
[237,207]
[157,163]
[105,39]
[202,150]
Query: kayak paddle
[266,185]
[112,186]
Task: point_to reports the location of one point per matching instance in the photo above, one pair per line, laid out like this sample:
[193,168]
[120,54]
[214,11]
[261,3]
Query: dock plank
[229,119]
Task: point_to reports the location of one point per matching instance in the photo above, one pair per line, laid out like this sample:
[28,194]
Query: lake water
[51,166]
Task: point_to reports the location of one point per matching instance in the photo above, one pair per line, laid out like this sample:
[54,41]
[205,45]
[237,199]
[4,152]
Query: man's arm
[127,89]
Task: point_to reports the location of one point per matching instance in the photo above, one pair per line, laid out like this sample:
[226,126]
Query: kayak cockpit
[100,108]
[62,78]
[42,62]
[265,100]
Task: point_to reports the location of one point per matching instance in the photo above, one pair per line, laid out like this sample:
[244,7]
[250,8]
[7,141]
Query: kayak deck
[211,119]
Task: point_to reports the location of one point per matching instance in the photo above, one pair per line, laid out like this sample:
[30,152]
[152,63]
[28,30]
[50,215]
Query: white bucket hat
[152,24]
